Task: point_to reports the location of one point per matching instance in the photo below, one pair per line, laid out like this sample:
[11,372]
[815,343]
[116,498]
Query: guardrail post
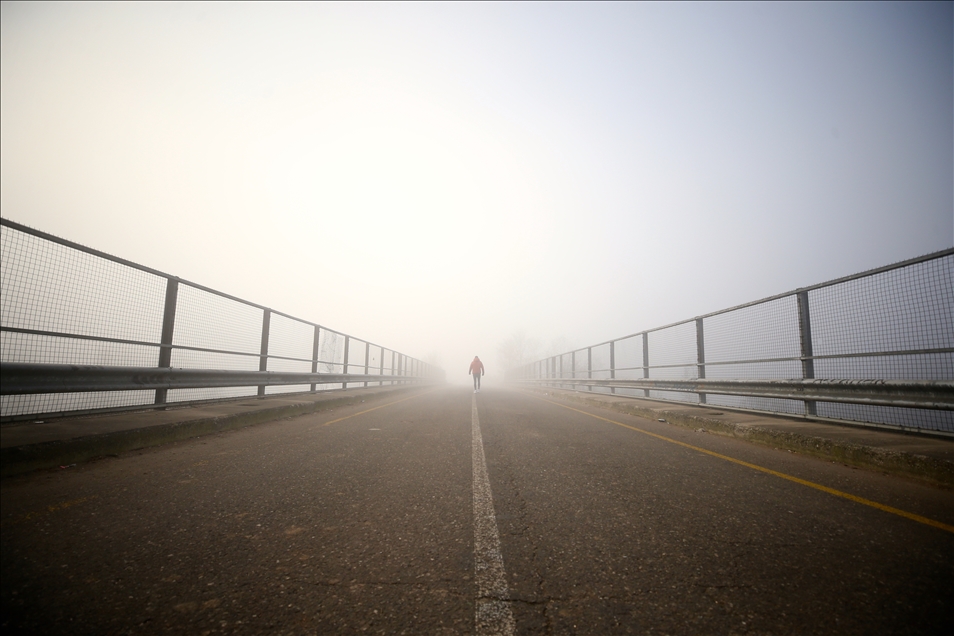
[168,328]
[314,354]
[700,356]
[367,354]
[344,367]
[573,368]
[612,364]
[589,365]
[646,360]
[805,340]
[263,354]
[381,370]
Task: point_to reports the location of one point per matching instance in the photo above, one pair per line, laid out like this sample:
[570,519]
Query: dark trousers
[476,380]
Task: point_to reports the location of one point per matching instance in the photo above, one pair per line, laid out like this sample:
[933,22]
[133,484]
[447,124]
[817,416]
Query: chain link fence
[65,304]
[887,328]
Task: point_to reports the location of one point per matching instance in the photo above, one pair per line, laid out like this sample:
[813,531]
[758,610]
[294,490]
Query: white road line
[493,616]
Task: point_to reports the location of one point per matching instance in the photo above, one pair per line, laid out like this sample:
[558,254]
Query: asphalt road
[378,522]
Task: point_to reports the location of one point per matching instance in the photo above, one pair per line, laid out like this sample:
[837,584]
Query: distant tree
[517,350]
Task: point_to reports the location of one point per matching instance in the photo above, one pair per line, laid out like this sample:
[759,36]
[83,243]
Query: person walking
[476,370]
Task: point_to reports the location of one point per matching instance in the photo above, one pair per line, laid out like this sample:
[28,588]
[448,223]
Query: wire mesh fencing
[65,304]
[884,337]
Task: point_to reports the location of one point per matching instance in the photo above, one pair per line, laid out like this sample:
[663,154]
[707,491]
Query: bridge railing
[84,331]
[875,348]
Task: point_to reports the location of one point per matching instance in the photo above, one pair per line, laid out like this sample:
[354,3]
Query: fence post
[805,339]
[612,364]
[573,368]
[646,360]
[344,367]
[589,365]
[381,370]
[367,354]
[168,328]
[314,355]
[263,353]
[700,356]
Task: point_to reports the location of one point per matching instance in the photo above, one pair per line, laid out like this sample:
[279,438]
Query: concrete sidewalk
[26,446]
[921,457]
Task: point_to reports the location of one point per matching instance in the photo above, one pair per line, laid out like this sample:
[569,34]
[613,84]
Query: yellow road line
[375,408]
[37,514]
[797,480]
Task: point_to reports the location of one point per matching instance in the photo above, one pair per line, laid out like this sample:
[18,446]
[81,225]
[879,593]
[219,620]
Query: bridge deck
[362,519]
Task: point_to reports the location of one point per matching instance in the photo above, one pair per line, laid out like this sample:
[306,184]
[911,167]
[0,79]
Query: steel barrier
[84,331]
[874,348]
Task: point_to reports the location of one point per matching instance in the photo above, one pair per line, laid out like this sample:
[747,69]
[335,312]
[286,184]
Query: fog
[444,179]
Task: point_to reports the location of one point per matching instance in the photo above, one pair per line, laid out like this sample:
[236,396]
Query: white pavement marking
[494,616]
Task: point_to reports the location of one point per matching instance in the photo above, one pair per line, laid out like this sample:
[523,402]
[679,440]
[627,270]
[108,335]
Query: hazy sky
[435,177]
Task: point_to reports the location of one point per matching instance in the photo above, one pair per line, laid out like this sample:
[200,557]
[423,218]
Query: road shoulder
[926,459]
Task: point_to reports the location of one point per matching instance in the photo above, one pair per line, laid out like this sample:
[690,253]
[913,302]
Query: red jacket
[476,367]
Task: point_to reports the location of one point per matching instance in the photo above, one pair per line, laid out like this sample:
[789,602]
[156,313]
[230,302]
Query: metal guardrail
[84,331]
[898,393]
[25,379]
[871,348]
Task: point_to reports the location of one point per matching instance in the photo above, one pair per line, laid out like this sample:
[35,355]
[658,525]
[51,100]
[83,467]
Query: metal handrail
[26,229]
[142,343]
[24,378]
[927,336]
[828,356]
[844,279]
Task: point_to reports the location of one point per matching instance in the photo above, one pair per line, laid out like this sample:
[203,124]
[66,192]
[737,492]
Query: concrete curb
[22,459]
[936,472]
